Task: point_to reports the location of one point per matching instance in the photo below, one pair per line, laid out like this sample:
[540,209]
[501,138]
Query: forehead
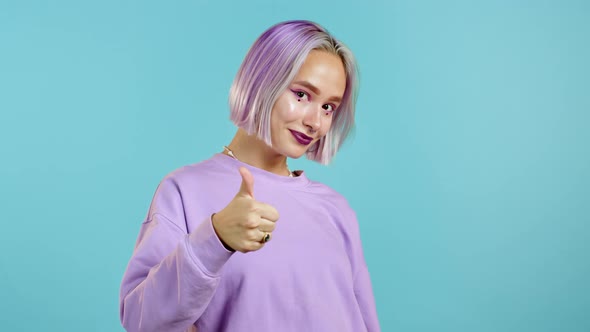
[325,71]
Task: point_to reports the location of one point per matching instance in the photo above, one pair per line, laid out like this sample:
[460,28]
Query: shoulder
[332,197]
[340,212]
[193,172]
[186,182]
[197,176]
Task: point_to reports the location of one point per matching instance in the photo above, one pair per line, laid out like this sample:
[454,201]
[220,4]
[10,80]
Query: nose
[312,119]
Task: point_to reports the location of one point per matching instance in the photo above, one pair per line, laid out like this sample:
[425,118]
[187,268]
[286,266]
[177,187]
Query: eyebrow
[316,91]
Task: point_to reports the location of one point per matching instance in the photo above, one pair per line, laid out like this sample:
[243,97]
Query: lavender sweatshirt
[312,276]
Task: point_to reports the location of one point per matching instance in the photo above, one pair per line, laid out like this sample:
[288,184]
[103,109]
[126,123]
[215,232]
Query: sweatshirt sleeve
[172,275]
[363,289]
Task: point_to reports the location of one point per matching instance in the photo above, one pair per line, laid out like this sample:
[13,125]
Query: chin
[294,154]
[298,156]
[294,150]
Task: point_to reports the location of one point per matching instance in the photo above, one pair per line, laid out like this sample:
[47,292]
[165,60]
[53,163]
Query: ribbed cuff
[207,249]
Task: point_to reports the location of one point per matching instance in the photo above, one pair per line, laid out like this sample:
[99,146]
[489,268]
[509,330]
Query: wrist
[217,234]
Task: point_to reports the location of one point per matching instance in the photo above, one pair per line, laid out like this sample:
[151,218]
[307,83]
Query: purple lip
[301,138]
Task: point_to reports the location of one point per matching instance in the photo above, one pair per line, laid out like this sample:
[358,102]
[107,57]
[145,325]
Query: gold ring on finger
[266,237]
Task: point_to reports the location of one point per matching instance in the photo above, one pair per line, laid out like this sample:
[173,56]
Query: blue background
[469,168]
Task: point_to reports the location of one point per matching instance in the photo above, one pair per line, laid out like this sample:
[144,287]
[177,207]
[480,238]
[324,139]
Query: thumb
[247,187]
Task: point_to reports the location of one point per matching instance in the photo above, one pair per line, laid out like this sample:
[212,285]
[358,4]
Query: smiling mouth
[301,138]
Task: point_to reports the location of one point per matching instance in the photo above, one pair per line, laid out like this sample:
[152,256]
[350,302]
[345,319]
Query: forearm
[171,294]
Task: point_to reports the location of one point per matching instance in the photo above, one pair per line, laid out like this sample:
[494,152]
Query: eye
[300,95]
[329,108]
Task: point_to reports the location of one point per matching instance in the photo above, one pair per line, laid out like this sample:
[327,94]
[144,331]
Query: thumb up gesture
[245,224]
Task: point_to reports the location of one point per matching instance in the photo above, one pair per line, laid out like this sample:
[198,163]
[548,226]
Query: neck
[251,150]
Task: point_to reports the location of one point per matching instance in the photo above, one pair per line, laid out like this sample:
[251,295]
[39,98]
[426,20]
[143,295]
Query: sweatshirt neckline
[259,173]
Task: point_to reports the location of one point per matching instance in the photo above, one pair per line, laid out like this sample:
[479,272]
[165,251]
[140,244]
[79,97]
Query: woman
[203,258]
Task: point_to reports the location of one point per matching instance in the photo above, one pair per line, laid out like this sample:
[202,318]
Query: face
[303,113]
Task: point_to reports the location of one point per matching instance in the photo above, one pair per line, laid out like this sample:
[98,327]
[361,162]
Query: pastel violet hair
[270,66]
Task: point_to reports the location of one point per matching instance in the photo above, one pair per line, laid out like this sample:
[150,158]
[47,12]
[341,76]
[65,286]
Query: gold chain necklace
[231,154]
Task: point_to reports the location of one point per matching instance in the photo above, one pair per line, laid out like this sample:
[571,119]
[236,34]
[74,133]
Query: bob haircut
[270,66]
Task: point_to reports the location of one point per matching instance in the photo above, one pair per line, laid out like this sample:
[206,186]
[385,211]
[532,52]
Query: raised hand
[244,223]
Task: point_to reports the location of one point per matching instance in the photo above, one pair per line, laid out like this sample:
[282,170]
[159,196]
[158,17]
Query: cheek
[326,124]
[288,109]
